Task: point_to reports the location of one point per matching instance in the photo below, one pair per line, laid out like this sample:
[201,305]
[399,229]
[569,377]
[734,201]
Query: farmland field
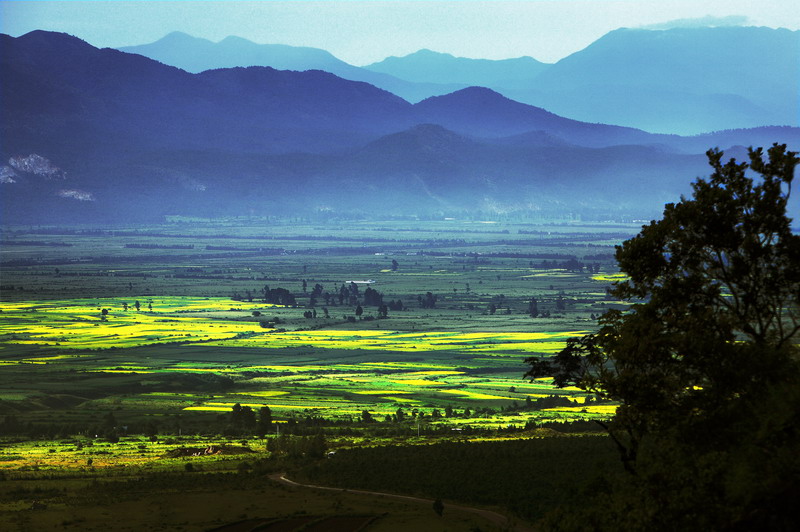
[422,327]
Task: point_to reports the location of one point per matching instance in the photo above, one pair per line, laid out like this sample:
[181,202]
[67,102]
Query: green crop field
[145,305]
[154,334]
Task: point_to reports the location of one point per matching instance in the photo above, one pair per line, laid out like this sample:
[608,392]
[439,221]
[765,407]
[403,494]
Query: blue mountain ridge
[137,139]
[196,55]
[681,80]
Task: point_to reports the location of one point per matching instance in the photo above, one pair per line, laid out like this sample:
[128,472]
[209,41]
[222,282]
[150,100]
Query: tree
[438,507]
[533,307]
[353,291]
[264,420]
[278,296]
[317,290]
[705,364]
[396,305]
[373,297]
[429,301]
[242,417]
[315,446]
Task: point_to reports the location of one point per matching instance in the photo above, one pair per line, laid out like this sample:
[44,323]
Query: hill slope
[90,134]
[426,66]
[678,80]
[196,55]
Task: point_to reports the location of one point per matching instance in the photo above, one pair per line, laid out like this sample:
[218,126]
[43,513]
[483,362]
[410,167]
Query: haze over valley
[236,128]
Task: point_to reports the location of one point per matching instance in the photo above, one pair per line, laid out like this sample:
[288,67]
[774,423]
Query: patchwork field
[121,346]
[148,322]
[329,372]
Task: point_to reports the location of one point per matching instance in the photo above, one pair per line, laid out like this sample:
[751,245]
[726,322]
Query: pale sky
[362,32]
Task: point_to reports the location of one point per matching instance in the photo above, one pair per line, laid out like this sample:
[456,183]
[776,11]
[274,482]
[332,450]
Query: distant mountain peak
[52,40]
[42,36]
[480,91]
[432,130]
[179,36]
[235,39]
[427,66]
[427,140]
[38,34]
[473,95]
[428,52]
[428,127]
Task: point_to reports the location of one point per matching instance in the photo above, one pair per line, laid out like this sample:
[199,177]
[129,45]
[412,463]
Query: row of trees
[351,295]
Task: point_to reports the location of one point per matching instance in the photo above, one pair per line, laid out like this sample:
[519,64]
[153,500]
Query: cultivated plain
[127,349]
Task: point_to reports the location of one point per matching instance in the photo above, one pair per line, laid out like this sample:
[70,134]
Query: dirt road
[493,517]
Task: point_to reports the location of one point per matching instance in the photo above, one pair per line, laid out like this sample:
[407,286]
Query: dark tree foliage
[533,308]
[705,363]
[395,305]
[264,421]
[278,296]
[372,297]
[438,507]
[317,291]
[242,417]
[298,446]
[523,476]
[429,301]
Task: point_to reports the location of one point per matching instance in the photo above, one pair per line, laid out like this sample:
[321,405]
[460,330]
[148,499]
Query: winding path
[493,517]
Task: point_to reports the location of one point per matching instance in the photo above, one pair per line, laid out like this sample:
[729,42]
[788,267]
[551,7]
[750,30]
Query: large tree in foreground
[705,362]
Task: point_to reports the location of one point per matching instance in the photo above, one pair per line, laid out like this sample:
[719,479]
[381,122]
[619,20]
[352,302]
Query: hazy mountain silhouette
[426,66]
[195,55]
[111,96]
[681,80]
[98,134]
[484,112]
[684,80]
[431,165]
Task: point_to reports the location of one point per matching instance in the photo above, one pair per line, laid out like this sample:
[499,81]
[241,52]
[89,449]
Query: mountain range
[100,134]
[427,66]
[682,80]
[195,55]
